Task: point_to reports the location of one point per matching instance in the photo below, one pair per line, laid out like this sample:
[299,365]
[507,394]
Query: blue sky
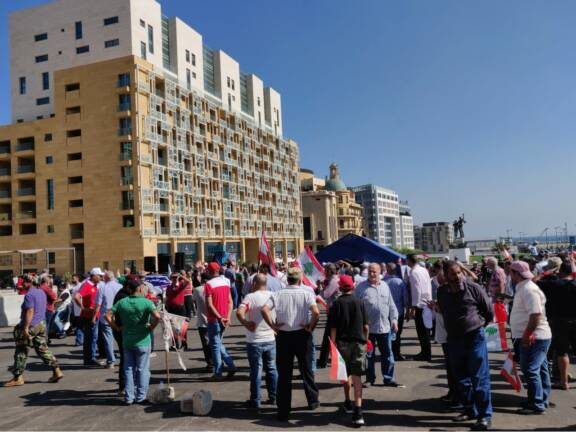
[459,106]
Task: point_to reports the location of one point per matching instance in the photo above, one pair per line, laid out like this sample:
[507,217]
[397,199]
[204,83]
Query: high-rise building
[434,237]
[386,219]
[134,144]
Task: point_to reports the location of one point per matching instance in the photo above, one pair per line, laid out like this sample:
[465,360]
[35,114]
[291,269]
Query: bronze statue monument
[458,226]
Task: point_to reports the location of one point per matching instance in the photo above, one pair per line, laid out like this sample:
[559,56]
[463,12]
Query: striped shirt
[292,306]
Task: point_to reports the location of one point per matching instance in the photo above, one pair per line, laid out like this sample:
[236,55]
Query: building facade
[434,237]
[134,159]
[386,219]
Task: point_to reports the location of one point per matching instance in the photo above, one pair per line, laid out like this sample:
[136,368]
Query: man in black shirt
[348,324]
[466,310]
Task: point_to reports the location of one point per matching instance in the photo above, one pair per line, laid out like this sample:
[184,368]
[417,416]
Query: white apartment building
[382,216]
[406,226]
[69,33]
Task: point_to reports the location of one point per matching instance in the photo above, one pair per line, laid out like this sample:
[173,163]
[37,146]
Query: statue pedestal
[463,254]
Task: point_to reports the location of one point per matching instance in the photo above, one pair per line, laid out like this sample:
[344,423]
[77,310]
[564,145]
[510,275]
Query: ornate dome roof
[335,183]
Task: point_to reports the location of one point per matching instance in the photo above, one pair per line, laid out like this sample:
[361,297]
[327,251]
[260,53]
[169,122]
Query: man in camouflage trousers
[31,331]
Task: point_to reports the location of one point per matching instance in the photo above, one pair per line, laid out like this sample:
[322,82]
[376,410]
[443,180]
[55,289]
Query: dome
[335,183]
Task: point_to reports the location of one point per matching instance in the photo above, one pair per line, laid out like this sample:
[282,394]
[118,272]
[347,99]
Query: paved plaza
[86,398]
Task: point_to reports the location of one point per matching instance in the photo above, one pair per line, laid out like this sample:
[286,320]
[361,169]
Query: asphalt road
[85,399]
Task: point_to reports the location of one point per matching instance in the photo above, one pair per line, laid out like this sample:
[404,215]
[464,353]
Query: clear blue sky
[459,106]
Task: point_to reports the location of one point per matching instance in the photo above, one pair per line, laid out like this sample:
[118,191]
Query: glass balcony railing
[4,171]
[125,106]
[124,131]
[26,191]
[22,169]
[127,180]
[23,146]
[6,193]
[126,155]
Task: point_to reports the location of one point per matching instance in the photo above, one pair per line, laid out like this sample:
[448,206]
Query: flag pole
[167,368]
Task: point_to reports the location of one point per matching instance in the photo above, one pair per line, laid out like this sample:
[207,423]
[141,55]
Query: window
[47,137]
[50,229]
[128,221]
[150,39]
[75,180]
[125,126]
[50,193]
[51,257]
[74,156]
[72,87]
[127,200]
[83,49]
[73,110]
[49,160]
[228,82]
[143,50]
[188,56]
[194,75]
[22,85]
[74,133]
[124,80]
[111,43]
[78,27]
[188,79]
[124,102]
[41,37]
[111,20]
[41,58]
[126,150]
[142,23]
[76,203]
[43,101]
[45,81]
[193,59]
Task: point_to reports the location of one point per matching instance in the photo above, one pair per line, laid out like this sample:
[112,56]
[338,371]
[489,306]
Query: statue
[458,226]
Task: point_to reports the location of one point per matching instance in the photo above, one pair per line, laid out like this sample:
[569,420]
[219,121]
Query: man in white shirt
[529,325]
[296,317]
[260,341]
[421,294]
[107,290]
[75,286]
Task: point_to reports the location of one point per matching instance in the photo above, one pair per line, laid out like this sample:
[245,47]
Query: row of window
[78,28]
[80,50]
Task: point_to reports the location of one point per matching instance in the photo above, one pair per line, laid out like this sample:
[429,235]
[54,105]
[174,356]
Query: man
[348,324]
[31,330]
[382,314]
[296,318]
[219,305]
[230,274]
[466,310]
[401,297]
[175,301]
[273,284]
[497,281]
[260,342]
[186,279]
[51,299]
[330,292]
[201,321]
[76,320]
[86,299]
[138,318]
[529,325]
[104,301]
[61,320]
[421,293]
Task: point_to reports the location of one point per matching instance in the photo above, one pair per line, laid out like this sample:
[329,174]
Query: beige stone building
[133,165]
[329,209]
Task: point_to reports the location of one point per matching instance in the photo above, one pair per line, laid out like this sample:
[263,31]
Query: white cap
[96,271]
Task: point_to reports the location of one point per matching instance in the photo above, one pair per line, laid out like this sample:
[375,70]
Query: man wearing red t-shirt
[86,299]
[175,299]
[218,309]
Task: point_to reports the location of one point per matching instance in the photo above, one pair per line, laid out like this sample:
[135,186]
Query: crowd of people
[367,307]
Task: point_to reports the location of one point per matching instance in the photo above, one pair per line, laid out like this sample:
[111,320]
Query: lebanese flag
[337,366]
[496,337]
[500,314]
[510,372]
[506,254]
[573,263]
[265,254]
[310,266]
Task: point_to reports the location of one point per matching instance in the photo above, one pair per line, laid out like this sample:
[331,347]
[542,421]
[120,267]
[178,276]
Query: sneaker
[464,417]
[252,404]
[481,425]
[348,408]
[530,411]
[313,406]
[109,366]
[16,381]
[270,401]
[394,384]
[231,374]
[216,378]
[358,419]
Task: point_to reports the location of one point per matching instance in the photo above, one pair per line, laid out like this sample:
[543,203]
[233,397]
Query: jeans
[468,356]
[79,333]
[118,338]
[219,353]
[234,296]
[106,333]
[136,373]
[260,355]
[534,366]
[384,343]
[90,340]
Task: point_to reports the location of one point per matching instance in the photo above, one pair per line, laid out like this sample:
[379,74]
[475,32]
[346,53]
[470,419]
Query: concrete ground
[86,399]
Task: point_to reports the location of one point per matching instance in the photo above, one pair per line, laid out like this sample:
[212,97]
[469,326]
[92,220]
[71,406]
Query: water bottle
[393,337]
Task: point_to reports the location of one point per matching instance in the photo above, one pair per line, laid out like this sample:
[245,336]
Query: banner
[496,337]
[265,254]
[337,366]
[510,372]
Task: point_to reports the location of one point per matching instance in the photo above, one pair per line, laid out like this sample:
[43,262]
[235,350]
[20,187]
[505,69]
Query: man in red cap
[219,307]
[348,324]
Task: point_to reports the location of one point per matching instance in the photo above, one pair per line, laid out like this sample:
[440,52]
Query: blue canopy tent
[357,249]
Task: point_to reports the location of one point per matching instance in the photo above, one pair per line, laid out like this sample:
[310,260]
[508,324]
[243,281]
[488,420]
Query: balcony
[126,156]
[25,169]
[4,150]
[26,192]
[25,146]
[5,193]
[124,131]
[164,230]
[126,106]
[127,180]
[4,170]
[127,205]
[26,214]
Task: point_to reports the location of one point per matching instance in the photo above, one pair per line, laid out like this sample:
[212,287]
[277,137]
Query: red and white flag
[337,365]
[510,372]
[506,254]
[265,254]
[311,268]
[496,337]
[174,329]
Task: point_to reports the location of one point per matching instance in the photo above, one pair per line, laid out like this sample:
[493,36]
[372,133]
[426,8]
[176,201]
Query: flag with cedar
[265,255]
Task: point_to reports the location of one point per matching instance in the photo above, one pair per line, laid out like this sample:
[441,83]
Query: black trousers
[397,343]
[423,334]
[203,332]
[453,390]
[324,348]
[118,339]
[289,345]
[189,306]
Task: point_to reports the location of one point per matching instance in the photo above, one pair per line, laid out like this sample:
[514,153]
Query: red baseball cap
[213,267]
[346,282]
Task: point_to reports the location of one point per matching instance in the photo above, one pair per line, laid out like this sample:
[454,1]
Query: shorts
[564,336]
[354,355]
